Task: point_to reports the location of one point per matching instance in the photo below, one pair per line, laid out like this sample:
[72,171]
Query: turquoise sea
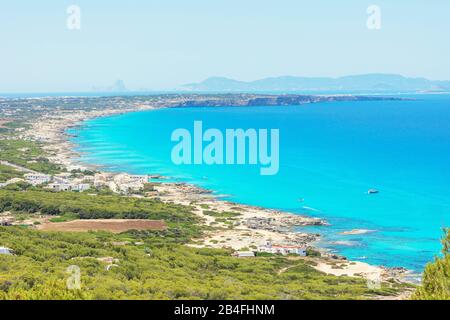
[330,155]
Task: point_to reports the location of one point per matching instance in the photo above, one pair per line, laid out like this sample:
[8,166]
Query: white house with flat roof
[37,178]
[77,187]
[80,187]
[283,249]
[6,251]
[59,186]
[244,254]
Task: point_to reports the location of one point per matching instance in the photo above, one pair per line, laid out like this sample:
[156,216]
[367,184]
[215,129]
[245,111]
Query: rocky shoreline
[51,129]
[252,227]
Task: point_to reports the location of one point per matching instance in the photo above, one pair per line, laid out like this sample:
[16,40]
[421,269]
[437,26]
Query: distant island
[118,86]
[356,83]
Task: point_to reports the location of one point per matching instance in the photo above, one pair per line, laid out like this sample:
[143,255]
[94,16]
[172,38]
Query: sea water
[331,154]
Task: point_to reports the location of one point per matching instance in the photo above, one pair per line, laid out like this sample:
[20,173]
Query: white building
[102,179]
[37,178]
[63,175]
[283,249]
[85,179]
[138,179]
[59,186]
[6,222]
[244,254]
[78,187]
[6,251]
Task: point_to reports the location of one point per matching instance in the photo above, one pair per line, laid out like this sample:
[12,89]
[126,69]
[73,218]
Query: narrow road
[17,167]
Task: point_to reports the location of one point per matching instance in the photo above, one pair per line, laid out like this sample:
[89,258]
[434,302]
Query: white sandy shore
[51,129]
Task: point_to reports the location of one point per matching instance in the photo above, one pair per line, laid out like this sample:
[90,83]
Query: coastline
[51,129]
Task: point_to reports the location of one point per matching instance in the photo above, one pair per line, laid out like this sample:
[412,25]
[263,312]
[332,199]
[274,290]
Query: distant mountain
[118,86]
[365,82]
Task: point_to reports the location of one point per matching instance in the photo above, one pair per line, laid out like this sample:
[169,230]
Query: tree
[436,277]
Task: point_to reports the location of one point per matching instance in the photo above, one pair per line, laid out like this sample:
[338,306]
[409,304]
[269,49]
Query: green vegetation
[7,173]
[436,277]
[79,172]
[27,154]
[148,187]
[310,252]
[156,270]
[9,127]
[224,214]
[151,264]
[64,218]
[73,205]
[86,206]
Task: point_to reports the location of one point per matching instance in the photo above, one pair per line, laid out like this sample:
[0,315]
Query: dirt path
[112,225]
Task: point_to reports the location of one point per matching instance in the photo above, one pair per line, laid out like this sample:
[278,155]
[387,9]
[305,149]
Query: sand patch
[113,225]
[351,269]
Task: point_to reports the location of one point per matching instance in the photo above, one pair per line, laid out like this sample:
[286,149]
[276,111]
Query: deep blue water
[330,155]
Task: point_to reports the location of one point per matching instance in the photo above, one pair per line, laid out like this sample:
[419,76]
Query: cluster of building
[283,249]
[37,179]
[120,183]
[76,187]
[61,182]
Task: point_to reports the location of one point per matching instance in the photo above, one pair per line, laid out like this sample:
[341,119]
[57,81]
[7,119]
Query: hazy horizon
[185,88]
[156,46]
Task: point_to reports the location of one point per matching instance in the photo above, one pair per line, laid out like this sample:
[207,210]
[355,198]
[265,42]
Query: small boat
[373,191]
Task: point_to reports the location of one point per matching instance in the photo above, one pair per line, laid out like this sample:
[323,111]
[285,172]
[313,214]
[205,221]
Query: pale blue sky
[159,44]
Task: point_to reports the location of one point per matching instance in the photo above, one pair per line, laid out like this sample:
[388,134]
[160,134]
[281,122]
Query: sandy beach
[51,130]
[238,233]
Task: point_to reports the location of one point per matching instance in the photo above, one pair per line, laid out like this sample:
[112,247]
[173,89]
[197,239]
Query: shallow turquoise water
[330,155]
